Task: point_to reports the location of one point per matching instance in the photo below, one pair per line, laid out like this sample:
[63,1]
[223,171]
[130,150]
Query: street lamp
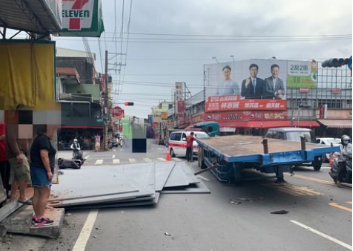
[215,59]
[232,56]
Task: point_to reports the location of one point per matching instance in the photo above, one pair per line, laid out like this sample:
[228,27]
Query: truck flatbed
[239,148]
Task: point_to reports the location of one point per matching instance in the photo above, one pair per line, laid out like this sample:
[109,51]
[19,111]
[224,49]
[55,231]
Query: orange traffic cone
[167,156]
[331,160]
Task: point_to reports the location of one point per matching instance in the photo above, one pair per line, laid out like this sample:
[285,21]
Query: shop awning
[343,123]
[39,16]
[255,124]
[306,123]
[268,124]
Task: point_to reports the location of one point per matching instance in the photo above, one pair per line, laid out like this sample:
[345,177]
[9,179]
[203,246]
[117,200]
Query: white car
[328,142]
[177,142]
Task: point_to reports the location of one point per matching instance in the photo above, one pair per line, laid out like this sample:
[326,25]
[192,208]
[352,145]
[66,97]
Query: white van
[177,142]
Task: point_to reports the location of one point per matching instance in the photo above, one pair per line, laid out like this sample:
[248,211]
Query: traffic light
[129,103]
[335,62]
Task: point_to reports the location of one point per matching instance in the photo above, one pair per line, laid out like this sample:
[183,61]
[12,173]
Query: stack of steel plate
[123,185]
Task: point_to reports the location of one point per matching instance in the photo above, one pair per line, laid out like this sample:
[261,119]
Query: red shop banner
[197,118]
[246,104]
[245,116]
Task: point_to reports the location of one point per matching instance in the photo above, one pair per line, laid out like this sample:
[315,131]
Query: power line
[213,35]
[127,43]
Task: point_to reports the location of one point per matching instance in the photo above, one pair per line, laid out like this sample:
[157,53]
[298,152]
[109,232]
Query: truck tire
[317,163]
[201,161]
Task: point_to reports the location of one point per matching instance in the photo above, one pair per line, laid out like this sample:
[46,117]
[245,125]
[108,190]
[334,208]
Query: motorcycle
[77,154]
[344,164]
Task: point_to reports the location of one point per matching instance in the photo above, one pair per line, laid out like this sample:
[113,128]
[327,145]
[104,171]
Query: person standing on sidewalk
[17,152]
[97,145]
[4,164]
[189,147]
[42,168]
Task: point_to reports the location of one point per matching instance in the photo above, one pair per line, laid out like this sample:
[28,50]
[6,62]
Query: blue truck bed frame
[232,154]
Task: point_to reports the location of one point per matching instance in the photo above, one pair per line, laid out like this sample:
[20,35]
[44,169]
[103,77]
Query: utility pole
[105,116]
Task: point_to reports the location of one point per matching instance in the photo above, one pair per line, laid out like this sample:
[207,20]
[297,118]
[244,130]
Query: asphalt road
[230,218]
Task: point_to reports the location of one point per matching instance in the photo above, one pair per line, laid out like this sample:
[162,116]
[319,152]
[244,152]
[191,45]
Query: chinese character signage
[245,116]
[301,74]
[216,104]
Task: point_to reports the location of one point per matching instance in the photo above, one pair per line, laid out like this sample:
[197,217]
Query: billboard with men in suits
[255,84]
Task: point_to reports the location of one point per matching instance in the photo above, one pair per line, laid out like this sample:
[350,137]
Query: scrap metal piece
[280,212]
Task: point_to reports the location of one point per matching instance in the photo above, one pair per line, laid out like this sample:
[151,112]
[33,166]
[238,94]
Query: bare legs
[22,187]
[40,200]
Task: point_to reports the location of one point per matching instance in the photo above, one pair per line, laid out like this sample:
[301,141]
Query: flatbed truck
[228,156]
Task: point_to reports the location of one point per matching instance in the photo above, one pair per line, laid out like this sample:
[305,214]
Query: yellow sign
[164,115]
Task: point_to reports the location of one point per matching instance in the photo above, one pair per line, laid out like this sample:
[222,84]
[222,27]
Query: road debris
[246,199]
[280,212]
[234,203]
[167,234]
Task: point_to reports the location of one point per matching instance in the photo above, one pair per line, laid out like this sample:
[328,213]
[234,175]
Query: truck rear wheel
[317,163]
[201,161]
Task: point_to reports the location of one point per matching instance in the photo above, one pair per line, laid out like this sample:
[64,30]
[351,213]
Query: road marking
[99,162]
[147,159]
[322,235]
[132,160]
[295,190]
[201,177]
[114,156]
[298,176]
[161,159]
[176,159]
[114,150]
[160,149]
[116,161]
[340,207]
[85,233]
[87,157]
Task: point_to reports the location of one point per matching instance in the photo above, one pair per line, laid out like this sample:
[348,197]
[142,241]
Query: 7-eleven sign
[77,14]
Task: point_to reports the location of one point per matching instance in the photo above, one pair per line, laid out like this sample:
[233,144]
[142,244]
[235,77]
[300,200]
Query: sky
[155,61]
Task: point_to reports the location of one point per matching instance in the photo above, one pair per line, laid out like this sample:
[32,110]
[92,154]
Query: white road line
[132,160]
[161,159]
[323,235]
[82,240]
[99,162]
[160,149]
[203,178]
[87,157]
[176,159]
[147,159]
[116,161]
[114,156]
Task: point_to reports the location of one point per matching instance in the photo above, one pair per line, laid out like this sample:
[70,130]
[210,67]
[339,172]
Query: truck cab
[211,128]
[295,134]
[291,134]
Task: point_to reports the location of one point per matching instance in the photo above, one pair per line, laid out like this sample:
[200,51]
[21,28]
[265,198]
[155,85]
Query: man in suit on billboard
[274,87]
[253,87]
[228,86]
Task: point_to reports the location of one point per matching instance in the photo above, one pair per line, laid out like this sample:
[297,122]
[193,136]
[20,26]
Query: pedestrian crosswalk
[117,161]
[99,162]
